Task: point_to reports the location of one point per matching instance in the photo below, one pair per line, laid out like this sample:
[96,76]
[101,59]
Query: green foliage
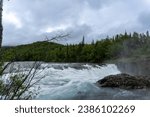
[17,85]
[123,45]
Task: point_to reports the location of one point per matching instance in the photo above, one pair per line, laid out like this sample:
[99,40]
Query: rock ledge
[125,81]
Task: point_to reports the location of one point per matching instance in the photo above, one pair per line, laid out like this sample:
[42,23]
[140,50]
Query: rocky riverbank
[125,81]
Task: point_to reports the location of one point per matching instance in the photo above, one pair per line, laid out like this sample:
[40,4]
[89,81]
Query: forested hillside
[122,45]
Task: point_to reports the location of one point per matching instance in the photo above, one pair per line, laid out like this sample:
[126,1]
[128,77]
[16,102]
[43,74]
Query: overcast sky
[27,21]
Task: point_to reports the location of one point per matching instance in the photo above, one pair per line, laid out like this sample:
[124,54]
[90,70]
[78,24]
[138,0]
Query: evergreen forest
[110,48]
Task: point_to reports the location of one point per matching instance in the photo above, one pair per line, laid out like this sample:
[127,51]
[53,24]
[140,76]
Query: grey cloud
[97,4]
[76,34]
[37,15]
[49,12]
[90,18]
[78,31]
[144,19]
[13,36]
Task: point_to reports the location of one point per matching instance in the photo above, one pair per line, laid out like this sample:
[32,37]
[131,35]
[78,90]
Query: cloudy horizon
[27,21]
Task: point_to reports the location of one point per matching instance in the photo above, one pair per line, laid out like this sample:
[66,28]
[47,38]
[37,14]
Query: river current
[77,81]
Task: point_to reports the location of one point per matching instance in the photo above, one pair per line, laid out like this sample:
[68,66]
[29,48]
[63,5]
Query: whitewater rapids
[77,81]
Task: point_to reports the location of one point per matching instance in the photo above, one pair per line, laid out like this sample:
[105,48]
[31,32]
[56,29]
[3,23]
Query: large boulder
[125,81]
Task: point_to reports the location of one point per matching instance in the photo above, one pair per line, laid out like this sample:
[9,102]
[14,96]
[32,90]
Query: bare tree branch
[56,38]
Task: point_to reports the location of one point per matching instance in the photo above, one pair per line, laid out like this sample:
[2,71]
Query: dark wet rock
[125,81]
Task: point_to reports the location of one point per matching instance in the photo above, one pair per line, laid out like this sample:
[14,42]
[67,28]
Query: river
[76,81]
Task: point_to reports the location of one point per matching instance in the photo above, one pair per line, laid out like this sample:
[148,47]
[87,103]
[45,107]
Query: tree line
[121,45]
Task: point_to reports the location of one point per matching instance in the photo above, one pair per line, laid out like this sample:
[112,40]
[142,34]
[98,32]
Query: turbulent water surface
[77,81]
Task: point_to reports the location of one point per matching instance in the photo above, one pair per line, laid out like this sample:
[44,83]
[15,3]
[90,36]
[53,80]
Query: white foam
[71,83]
[75,81]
